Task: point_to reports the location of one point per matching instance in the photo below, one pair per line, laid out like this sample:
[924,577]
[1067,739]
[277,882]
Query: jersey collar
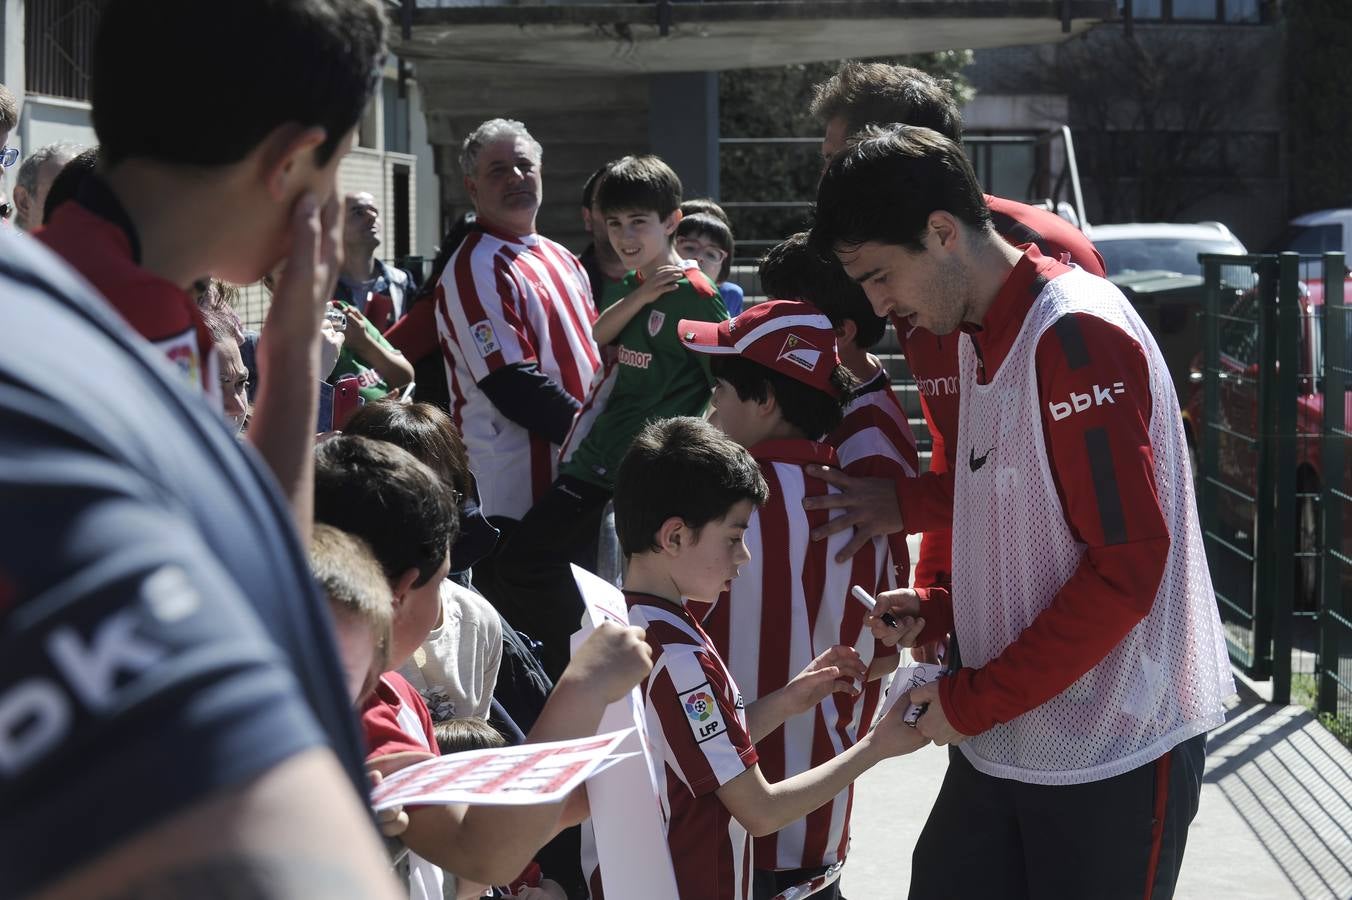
[1001,325]
[95,195]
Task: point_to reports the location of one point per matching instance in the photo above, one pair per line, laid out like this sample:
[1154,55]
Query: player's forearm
[608,325]
[793,798]
[283,422]
[926,502]
[882,665]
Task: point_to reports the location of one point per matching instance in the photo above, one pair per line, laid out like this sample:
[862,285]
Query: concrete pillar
[11,47]
[683,127]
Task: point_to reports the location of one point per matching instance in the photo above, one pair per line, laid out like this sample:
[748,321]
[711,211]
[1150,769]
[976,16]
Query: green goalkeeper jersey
[652,376]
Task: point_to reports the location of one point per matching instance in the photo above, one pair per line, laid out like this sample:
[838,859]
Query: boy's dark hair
[67,182]
[706,206]
[589,186]
[813,412]
[877,94]
[464,733]
[423,430]
[710,227]
[9,109]
[312,62]
[639,183]
[680,467]
[793,270]
[885,185]
[383,495]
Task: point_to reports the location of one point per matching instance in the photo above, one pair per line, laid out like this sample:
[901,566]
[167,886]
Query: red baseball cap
[789,336]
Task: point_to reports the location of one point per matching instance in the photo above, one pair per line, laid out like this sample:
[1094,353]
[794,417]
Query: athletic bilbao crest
[800,353]
[655,320]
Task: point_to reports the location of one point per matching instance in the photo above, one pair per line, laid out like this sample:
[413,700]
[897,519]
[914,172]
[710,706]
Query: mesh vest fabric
[1013,550]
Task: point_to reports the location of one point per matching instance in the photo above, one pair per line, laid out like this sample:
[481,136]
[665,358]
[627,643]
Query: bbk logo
[1080,402]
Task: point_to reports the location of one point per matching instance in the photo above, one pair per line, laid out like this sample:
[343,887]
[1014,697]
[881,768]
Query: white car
[1161,246]
[1320,232]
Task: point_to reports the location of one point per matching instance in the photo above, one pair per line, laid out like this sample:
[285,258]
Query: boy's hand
[892,736]
[933,722]
[393,821]
[358,340]
[611,661]
[330,347]
[663,282]
[904,606]
[836,670]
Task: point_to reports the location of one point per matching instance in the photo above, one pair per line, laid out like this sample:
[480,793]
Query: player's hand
[393,821]
[869,507]
[892,735]
[304,286]
[933,652]
[933,724]
[664,281]
[611,661]
[838,670]
[904,605]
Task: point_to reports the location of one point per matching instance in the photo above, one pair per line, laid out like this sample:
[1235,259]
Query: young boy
[406,513]
[874,437]
[652,377]
[685,499]
[780,390]
[359,599]
[241,176]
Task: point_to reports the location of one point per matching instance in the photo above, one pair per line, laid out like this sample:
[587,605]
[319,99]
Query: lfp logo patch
[699,706]
[702,712]
[485,338]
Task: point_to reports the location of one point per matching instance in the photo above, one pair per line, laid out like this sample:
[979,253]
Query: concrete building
[45,59]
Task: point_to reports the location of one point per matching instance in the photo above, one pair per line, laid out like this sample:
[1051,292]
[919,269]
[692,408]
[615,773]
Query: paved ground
[1275,821]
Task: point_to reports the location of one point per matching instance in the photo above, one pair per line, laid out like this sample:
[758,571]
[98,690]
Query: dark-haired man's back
[162,640]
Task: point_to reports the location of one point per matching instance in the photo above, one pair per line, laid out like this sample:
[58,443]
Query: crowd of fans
[371,565]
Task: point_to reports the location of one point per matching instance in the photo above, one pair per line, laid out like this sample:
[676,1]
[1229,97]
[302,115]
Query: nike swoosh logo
[975,462]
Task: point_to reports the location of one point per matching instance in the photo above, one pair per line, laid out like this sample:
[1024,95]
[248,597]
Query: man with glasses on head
[378,291]
[34,180]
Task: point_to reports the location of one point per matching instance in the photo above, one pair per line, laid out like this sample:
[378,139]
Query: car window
[1165,254]
[1313,238]
[1239,328]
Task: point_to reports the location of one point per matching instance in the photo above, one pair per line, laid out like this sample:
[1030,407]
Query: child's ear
[770,405]
[400,587]
[670,222]
[286,157]
[673,535]
[846,333]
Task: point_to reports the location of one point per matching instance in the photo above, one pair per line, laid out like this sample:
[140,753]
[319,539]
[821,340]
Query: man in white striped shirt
[514,315]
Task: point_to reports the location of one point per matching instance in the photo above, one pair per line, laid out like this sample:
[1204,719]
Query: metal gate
[1272,469]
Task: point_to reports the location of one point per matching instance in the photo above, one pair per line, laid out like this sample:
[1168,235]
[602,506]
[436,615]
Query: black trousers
[1121,838]
[531,583]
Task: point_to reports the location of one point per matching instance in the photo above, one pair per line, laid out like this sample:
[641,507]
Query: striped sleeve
[480,313]
[697,706]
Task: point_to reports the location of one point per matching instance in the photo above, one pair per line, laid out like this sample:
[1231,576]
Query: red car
[1238,415]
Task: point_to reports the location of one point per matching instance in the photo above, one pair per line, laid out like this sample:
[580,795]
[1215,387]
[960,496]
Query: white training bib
[1013,550]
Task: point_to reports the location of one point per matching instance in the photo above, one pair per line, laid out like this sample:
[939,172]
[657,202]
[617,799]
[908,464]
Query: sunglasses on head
[6,210]
[9,156]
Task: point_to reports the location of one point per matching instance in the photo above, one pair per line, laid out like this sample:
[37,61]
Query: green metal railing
[1274,485]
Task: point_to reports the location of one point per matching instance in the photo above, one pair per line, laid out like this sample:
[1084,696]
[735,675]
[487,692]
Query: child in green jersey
[649,376]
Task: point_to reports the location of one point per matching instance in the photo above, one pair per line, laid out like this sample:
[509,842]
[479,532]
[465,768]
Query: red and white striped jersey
[874,440]
[791,603]
[698,732]
[505,300]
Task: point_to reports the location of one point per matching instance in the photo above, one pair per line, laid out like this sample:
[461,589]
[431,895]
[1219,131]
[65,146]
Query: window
[1240,11]
[59,46]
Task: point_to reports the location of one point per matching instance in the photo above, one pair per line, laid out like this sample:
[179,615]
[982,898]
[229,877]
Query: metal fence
[1273,476]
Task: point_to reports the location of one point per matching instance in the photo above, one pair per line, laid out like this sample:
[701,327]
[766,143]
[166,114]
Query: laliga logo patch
[701,711]
[655,320]
[800,353]
[485,338]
